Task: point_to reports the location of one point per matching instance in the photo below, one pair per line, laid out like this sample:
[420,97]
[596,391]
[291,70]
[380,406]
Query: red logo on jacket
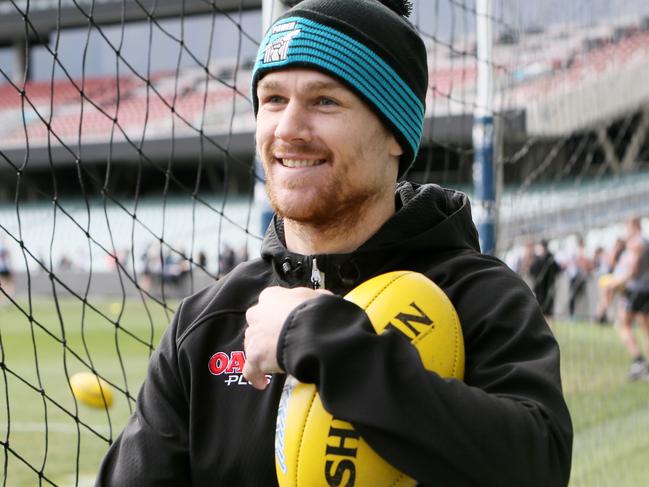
[230,365]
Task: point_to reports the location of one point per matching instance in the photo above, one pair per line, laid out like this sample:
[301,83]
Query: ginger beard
[322,196]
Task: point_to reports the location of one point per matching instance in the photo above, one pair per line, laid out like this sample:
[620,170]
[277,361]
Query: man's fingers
[256,378]
[259,382]
[265,320]
[251,314]
[269,293]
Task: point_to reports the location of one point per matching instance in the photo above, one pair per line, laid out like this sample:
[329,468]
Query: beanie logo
[277,50]
[284,27]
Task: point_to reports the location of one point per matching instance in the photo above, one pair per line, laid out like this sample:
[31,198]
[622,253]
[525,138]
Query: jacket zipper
[317,276]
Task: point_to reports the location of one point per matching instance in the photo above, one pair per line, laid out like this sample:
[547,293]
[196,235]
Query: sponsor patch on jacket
[229,367]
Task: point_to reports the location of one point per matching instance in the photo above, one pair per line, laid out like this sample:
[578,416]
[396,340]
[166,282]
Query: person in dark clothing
[227,260]
[7,284]
[544,271]
[333,147]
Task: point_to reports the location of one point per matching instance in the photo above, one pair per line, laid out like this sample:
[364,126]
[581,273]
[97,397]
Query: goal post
[483,134]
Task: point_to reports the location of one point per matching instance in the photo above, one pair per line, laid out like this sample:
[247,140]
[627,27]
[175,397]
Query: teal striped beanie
[369,45]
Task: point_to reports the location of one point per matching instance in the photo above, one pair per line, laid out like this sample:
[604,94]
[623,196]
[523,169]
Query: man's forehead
[308,79]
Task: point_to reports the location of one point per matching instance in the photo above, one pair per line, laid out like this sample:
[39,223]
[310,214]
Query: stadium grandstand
[555,87]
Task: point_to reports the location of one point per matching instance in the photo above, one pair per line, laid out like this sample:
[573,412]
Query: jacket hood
[428,218]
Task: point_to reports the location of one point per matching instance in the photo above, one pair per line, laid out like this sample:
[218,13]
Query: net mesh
[125,191]
[127,181]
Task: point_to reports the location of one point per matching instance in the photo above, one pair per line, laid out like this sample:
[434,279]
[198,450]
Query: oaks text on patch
[229,365]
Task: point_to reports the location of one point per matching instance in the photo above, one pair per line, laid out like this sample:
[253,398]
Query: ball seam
[299,450]
[387,285]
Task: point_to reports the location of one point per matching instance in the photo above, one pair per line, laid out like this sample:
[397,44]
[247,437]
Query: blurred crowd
[621,274]
[171,266]
[157,265]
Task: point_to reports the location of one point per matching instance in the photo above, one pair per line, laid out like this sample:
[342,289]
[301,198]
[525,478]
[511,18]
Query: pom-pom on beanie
[369,45]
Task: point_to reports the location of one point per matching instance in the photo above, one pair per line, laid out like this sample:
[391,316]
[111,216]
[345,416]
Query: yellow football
[91,390]
[414,305]
[605,280]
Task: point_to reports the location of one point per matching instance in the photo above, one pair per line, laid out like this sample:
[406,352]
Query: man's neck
[340,236]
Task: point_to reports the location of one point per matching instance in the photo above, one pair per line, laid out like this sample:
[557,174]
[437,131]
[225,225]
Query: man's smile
[296,163]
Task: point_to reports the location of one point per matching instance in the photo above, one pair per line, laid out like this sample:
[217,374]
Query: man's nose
[293,123]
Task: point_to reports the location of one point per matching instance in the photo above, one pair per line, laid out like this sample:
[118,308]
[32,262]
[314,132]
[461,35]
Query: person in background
[599,261]
[544,271]
[578,267]
[7,282]
[523,263]
[633,280]
[607,268]
[201,259]
[227,260]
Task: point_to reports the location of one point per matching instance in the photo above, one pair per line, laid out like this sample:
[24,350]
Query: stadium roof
[45,15]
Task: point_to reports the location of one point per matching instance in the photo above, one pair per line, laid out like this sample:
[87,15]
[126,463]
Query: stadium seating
[124,105]
[66,240]
[182,100]
[185,101]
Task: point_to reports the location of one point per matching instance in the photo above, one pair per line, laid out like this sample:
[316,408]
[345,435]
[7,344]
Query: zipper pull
[317,277]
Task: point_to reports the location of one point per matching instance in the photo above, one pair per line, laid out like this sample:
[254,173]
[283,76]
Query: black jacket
[199,423]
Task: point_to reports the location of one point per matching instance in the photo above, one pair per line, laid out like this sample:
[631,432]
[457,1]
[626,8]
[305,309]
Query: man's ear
[394,147]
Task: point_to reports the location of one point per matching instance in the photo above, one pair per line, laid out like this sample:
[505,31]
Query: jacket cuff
[313,333]
[281,341]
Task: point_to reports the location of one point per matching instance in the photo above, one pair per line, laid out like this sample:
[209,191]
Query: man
[7,284]
[544,271]
[578,266]
[608,267]
[632,277]
[339,90]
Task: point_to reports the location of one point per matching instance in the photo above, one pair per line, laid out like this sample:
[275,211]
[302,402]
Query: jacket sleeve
[506,425]
[152,450]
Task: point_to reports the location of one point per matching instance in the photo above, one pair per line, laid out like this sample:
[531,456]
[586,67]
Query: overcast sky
[142,42]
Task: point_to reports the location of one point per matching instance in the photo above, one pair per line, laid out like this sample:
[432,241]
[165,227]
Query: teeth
[301,162]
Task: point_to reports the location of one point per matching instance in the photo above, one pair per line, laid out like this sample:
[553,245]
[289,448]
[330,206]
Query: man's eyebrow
[310,86]
[323,85]
[269,85]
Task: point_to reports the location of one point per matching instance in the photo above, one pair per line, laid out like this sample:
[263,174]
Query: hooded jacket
[198,422]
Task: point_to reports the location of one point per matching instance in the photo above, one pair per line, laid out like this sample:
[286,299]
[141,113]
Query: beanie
[368,45]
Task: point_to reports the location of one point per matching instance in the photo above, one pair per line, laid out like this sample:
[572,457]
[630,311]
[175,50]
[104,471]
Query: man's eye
[324,101]
[274,99]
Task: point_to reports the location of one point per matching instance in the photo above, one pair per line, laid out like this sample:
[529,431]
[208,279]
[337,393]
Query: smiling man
[339,90]
[330,163]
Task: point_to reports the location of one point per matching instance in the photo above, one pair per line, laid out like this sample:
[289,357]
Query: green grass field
[53,434]
[610,415]
[50,434]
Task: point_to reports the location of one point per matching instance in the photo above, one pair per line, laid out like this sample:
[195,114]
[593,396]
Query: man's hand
[265,321]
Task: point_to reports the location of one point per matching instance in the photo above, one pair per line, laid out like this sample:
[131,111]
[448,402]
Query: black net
[127,176]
